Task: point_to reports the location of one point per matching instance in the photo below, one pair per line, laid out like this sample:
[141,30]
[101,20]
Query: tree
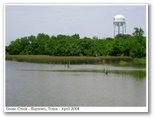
[64,45]
[76,36]
[42,36]
[95,38]
[15,47]
[138,32]
[122,36]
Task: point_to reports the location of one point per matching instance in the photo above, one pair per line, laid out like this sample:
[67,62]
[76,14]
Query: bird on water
[106,71]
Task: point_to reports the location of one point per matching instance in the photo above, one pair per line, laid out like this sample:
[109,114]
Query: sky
[85,20]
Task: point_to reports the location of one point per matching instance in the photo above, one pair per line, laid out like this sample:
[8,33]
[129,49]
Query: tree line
[63,45]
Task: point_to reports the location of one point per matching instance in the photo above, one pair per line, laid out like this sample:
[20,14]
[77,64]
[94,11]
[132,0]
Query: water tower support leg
[118,28]
[114,30]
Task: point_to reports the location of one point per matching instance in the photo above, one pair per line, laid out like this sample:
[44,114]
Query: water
[30,84]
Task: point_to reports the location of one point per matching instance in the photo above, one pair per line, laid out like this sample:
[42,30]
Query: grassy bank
[120,60]
[136,61]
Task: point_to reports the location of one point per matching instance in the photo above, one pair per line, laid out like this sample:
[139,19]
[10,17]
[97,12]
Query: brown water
[30,84]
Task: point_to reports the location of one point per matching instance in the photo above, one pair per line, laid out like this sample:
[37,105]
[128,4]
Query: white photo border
[78,108]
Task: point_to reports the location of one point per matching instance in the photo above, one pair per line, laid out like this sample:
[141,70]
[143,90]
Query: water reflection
[135,74]
[138,74]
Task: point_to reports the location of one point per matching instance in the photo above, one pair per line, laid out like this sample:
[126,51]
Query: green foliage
[140,61]
[64,45]
[138,32]
[122,63]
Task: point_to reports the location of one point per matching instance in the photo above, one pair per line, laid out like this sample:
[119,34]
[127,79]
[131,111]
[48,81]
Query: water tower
[119,24]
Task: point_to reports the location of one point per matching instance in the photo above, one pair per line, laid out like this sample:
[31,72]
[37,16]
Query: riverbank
[117,60]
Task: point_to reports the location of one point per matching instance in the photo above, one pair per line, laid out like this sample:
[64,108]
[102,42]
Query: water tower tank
[119,24]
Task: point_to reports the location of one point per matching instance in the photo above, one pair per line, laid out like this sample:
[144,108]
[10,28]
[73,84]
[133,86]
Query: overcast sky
[85,20]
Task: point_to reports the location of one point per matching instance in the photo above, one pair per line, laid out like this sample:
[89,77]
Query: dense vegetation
[71,60]
[62,45]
